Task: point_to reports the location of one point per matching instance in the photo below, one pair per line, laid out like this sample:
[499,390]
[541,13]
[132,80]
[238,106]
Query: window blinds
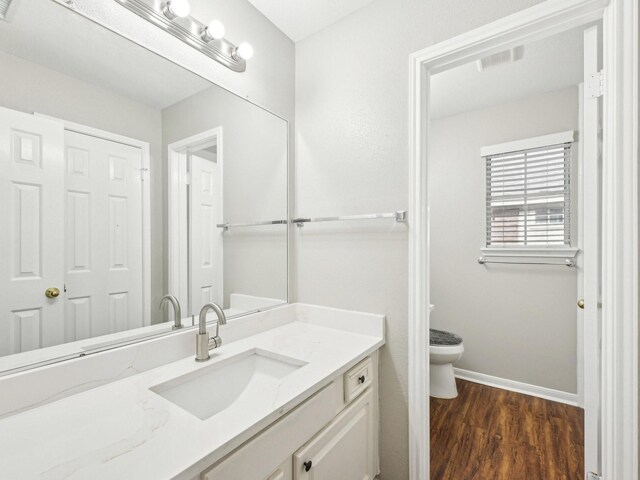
[528,197]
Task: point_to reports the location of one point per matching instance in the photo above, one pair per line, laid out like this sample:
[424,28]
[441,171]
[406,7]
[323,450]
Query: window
[528,197]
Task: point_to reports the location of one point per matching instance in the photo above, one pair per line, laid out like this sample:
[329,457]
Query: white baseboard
[519,387]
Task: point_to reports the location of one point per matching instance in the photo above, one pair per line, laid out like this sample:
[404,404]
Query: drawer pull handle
[307,465]
[361,379]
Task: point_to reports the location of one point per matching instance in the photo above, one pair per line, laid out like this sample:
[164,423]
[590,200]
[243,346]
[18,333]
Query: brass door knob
[581,303]
[52,292]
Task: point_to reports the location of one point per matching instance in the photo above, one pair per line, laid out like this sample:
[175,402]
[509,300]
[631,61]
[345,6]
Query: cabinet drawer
[357,379]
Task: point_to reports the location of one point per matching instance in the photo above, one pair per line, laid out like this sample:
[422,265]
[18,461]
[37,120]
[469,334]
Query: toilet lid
[440,337]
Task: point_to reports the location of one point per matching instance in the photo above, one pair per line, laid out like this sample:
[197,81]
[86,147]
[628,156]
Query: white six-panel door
[205,237]
[103,228]
[32,233]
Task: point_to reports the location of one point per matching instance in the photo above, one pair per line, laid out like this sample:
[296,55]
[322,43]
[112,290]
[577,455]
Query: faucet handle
[215,342]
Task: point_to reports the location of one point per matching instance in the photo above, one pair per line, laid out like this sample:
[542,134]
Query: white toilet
[444,349]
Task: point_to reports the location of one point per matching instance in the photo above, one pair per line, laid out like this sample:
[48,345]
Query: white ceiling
[549,64]
[300,18]
[48,34]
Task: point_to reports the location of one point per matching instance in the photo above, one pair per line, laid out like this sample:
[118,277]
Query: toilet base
[442,381]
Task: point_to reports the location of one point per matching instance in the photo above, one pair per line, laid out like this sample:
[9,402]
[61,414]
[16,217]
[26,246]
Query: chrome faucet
[177,313]
[203,342]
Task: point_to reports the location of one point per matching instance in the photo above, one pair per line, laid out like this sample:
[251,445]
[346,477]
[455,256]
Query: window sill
[531,252]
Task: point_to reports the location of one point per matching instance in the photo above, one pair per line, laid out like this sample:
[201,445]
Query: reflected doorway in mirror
[195,208]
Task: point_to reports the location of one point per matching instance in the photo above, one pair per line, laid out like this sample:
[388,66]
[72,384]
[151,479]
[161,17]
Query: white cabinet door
[344,450]
[31,237]
[103,270]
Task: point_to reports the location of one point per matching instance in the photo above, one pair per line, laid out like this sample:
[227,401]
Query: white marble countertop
[124,430]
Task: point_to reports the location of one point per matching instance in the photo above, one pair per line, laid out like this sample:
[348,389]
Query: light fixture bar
[189,30]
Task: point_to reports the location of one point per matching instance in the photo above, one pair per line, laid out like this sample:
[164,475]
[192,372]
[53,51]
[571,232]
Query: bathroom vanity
[332,433]
[291,394]
[137,194]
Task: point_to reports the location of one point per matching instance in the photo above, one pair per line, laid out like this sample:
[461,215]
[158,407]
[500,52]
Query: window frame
[533,251]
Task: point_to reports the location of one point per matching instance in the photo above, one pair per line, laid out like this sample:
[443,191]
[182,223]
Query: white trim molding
[418,302]
[619,409]
[619,369]
[528,143]
[518,387]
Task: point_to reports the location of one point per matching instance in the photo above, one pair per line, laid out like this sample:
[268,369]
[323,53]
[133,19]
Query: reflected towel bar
[227,226]
[400,216]
[568,262]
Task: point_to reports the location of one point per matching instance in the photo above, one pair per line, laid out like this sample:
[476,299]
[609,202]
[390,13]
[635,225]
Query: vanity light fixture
[214,31]
[243,51]
[173,9]
[173,16]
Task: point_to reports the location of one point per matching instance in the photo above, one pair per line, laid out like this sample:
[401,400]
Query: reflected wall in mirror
[125,177]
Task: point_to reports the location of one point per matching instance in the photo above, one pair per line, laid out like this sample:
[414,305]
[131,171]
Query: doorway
[619,155]
[196,255]
[505,173]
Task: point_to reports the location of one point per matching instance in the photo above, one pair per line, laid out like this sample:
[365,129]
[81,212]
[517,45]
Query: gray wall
[517,322]
[29,87]
[352,157]
[255,185]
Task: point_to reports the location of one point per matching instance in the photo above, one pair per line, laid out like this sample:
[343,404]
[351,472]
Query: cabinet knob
[361,379]
[307,465]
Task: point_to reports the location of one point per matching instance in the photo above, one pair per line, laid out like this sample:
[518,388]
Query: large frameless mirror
[124,178]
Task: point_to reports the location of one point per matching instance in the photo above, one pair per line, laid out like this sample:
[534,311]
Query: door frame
[146,198]
[619,366]
[176,156]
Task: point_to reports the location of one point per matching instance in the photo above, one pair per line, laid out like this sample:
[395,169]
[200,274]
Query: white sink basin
[210,390]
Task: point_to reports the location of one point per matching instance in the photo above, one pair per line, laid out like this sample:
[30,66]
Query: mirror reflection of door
[195,241]
[76,207]
[205,242]
[31,240]
[103,201]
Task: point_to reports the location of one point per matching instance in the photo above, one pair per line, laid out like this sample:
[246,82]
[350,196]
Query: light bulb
[214,31]
[177,8]
[244,51]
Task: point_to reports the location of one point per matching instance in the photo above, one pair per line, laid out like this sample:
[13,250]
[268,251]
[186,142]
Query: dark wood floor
[492,434]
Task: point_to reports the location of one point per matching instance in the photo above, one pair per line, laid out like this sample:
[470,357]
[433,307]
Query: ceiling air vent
[508,56]
[7,9]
